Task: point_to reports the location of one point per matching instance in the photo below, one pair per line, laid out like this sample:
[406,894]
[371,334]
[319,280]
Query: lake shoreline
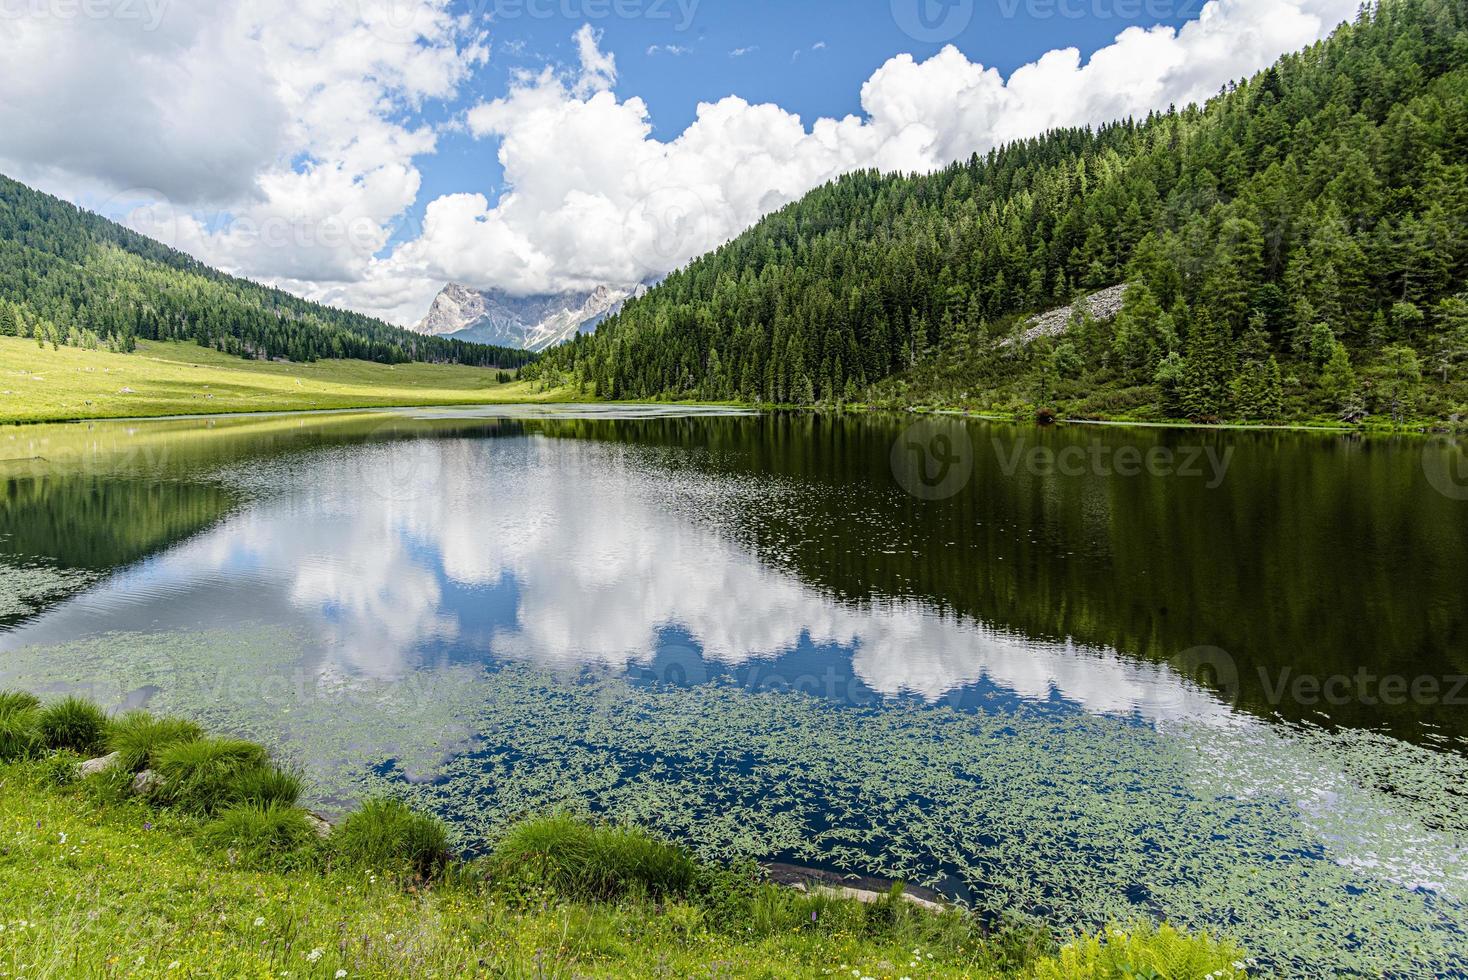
[1420,428]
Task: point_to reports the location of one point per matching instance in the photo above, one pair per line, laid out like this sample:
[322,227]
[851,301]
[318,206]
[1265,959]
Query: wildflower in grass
[314,955]
[259,921]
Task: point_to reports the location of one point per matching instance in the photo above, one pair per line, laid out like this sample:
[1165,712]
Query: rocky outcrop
[318,824]
[1103,305]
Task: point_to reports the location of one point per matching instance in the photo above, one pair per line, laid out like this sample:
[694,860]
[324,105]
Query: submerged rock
[862,889]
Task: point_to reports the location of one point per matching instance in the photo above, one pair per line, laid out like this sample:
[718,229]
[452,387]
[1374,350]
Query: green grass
[138,737]
[386,835]
[13,701]
[20,734]
[176,378]
[95,881]
[262,834]
[74,723]
[597,863]
[211,773]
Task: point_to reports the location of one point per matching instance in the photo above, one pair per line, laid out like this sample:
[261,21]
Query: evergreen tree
[1207,369]
[1337,377]
[1401,377]
[1169,378]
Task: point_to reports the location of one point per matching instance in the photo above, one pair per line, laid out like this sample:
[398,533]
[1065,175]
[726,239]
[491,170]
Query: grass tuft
[209,774]
[74,723]
[268,786]
[140,737]
[20,735]
[387,835]
[16,701]
[261,834]
[590,862]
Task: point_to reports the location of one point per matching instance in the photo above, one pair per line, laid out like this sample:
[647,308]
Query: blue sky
[809,56]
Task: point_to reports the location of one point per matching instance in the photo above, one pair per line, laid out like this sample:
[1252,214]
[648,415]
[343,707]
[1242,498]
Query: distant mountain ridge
[533,323]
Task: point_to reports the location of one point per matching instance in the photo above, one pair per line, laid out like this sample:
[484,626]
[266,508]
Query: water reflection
[566,555]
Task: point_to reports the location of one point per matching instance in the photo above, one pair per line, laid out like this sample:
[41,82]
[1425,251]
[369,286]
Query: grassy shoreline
[212,870]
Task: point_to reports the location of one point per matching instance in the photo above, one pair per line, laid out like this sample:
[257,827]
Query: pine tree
[1337,378]
[1169,380]
[1207,369]
[1400,381]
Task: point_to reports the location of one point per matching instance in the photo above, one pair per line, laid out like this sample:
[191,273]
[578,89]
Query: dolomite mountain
[530,322]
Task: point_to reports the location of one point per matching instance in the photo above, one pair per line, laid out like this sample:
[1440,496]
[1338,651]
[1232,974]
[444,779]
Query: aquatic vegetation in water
[25,589]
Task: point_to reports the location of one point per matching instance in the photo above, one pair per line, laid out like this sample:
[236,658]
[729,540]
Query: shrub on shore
[17,701]
[139,737]
[388,835]
[267,786]
[74,723]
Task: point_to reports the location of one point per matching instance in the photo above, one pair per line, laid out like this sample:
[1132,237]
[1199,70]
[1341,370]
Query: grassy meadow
[43,384]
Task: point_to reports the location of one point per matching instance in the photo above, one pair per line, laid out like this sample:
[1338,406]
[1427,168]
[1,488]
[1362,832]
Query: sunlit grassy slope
[43,384]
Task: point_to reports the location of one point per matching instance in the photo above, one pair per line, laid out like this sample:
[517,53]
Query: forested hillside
[68,276]
[1297,247]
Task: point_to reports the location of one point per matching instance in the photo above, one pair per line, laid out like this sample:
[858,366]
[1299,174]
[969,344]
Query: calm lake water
[1083,674]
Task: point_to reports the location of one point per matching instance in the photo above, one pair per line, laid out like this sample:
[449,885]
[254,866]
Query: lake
[1084,674]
